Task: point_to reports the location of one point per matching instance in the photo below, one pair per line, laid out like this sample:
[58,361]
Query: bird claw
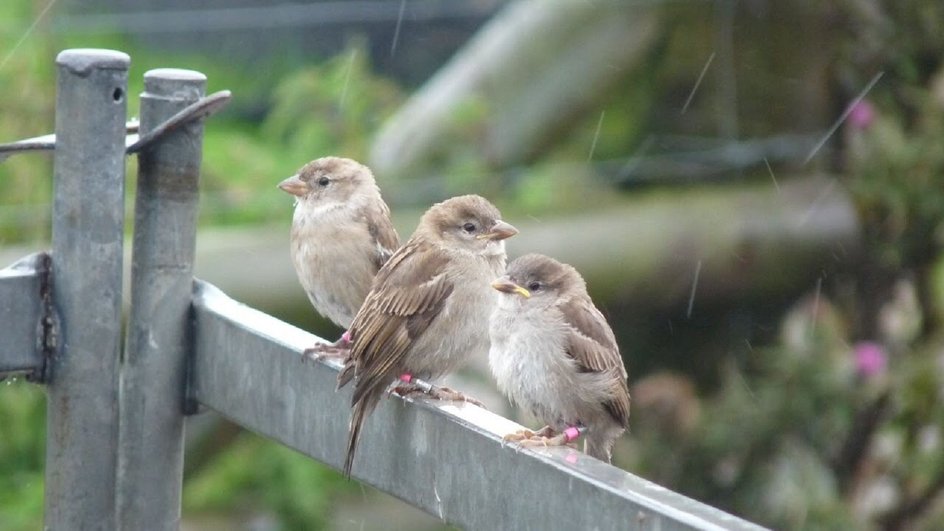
[518,436]
[542,441]
[326,350]
[544,437]
[525,434]
[435,392]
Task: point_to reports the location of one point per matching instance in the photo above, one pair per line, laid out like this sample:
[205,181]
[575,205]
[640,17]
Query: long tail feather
[353,435]
[599,446]
[360,409]
[346,374]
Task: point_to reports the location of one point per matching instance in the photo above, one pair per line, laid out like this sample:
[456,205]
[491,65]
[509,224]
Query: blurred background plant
[754,190]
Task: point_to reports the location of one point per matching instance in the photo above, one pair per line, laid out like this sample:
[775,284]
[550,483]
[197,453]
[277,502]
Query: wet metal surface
[87,242]
[447,459]
[21,311]
[151,442]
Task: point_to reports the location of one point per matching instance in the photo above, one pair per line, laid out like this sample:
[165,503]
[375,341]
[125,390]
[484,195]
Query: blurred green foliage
[800,436]
[253,475]
[796,434]
[28,80]
[243,160]
[839,423]
[22,453]
[897,172]
[329,108]
[332,108]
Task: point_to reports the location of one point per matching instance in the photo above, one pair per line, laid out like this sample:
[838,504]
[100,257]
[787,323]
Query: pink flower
[862,114]
[870,359]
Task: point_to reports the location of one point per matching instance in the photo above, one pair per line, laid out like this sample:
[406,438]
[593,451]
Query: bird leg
[547,438]
[414,386]
[338,349]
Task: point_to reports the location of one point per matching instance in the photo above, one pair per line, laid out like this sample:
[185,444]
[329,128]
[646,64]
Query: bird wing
[377,216]
[591,343]
[408,292]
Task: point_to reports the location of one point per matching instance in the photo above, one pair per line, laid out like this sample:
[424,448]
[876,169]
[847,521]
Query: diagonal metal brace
[134,142]
[197,110]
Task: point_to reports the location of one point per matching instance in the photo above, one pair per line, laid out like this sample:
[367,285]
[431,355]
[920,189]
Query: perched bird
[553,353]
[426,312]
[341,236]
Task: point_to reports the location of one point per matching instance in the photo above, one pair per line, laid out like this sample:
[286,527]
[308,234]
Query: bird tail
[600,445]
[353,436]
[361,407]
[346,374]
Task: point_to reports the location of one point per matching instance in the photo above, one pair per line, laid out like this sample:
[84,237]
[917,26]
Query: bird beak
[295,186]
[507,286]
[500,231]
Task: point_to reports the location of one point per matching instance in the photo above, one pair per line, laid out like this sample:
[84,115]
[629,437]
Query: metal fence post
[87,232]
[154,366]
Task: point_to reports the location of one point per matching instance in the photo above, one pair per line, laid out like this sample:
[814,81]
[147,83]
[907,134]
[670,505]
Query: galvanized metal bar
[87,235]
[23,288]
[446,459]
[48,142]
[134,142]
[153,371]
[195,111]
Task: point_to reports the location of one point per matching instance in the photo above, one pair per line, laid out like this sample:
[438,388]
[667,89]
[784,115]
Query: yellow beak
[507,286]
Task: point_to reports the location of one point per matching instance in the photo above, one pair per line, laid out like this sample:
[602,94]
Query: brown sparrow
[341,236]
[553,353]
[423,315]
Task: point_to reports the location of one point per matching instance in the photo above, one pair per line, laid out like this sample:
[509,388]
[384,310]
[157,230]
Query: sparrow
[423,317]
[553,353]
[341,236]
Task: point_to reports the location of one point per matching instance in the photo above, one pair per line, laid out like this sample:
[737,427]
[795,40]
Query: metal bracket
[134,142]
[28,319]
[48,327]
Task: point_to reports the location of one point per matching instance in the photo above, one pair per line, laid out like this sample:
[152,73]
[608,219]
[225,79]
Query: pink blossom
[870,359]
[862,114]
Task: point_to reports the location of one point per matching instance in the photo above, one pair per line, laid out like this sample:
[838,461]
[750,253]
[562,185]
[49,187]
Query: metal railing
[115,421]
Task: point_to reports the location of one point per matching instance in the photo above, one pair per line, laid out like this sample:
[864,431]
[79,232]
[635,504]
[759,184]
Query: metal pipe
[153,370]
[87,234]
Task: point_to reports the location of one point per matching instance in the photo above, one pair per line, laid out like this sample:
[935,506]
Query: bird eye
[323,181]
[534,286]
[469,227]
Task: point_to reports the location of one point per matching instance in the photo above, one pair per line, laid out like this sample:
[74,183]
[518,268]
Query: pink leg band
[406,377]
[571,434]
[346,336]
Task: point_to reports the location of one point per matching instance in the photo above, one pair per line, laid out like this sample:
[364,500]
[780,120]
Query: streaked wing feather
[592,345]
[591,341]
[377,216]
[407,294]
